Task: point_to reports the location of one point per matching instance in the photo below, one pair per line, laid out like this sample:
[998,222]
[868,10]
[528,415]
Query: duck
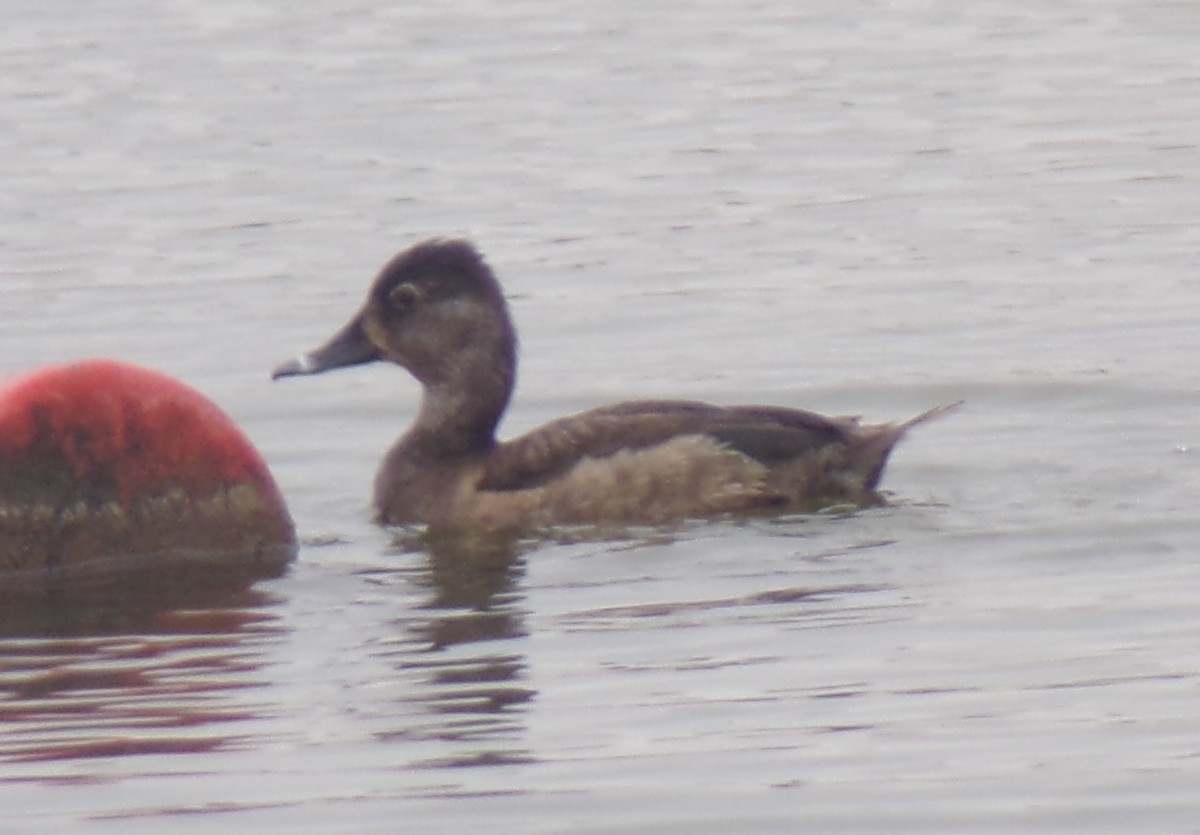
[438,310]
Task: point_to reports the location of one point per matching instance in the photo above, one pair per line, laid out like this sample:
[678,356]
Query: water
[855,207]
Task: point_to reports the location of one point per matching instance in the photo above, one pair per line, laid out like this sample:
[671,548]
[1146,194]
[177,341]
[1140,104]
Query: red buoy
[107,469]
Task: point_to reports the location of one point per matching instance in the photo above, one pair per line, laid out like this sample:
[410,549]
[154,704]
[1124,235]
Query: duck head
[437,310]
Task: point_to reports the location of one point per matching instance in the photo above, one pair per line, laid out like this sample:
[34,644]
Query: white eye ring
[404,296]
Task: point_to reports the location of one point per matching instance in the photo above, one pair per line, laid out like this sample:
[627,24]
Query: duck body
[437,310]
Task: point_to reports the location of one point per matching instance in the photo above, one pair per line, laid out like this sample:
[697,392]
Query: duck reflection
[472,690]
[83,677]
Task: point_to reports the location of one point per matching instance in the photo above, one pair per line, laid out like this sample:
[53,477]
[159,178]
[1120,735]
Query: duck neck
[458,415]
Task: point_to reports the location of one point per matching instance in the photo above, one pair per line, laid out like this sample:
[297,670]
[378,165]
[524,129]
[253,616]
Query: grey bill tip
[302,364]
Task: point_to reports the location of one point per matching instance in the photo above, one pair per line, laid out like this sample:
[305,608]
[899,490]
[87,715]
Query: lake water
[867,207]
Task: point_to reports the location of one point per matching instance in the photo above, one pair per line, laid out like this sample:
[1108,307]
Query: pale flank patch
[692,475]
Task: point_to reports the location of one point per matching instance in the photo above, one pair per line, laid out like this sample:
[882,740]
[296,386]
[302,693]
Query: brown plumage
[437,310]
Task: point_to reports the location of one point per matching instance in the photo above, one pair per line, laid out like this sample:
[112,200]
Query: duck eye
[403,297]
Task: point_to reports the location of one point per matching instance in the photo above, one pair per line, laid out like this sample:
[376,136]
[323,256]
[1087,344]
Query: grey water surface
[855,207]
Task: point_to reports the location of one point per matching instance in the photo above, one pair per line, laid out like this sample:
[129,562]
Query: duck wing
[766,434]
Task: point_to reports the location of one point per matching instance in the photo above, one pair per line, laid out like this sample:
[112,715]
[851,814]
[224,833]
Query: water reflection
[108,680]
[129,594]
[470,675]
[473,584]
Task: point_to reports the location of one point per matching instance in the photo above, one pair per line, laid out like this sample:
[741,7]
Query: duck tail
[929,414]
[879,440]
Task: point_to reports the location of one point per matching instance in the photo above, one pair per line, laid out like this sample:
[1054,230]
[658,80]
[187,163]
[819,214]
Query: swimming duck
[437,310]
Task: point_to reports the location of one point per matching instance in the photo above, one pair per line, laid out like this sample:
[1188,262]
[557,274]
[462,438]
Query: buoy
[109,471]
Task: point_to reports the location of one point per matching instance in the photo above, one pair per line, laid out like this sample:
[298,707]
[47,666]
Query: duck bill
[349,346]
